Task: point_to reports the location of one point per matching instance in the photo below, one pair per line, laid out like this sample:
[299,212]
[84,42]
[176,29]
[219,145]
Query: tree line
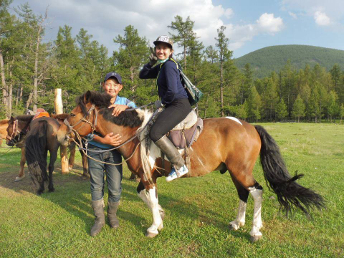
[31,69]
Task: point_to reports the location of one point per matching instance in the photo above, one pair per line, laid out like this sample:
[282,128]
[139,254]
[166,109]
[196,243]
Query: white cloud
[321,18]
[293,15]
[105,19]
[268,23]
[324,13]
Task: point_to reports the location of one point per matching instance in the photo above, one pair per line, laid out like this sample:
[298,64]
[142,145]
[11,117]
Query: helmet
[164,39]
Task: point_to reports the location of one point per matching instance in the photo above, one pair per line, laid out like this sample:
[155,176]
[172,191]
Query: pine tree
[130,57]
[298,108]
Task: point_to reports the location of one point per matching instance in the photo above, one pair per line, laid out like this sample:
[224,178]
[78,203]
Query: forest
[31,69]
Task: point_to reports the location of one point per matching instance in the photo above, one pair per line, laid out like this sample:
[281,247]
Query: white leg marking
[149,197]
[234,119]
[240,220]
[257,214]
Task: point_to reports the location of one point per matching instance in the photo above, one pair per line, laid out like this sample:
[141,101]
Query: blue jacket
[168,81]
[119,101]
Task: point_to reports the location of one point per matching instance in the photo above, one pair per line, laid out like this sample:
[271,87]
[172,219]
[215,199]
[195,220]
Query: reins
[93,127]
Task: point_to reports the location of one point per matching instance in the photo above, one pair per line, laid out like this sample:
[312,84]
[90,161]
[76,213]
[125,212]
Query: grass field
[198,210]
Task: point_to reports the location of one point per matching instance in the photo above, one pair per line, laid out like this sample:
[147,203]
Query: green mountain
[264,61]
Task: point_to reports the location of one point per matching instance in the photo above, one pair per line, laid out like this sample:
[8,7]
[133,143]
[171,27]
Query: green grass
[198,210]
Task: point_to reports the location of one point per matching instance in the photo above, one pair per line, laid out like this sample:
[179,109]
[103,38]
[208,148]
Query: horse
[16,128]
[19,128]
[3,131]
[225,144]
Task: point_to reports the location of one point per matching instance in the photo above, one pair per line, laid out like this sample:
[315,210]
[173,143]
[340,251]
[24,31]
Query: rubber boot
[171,152]
[111,213]
[99,222]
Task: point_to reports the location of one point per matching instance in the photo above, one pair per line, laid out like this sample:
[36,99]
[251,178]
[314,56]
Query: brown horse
[17,131]
[3,131]
[226,144]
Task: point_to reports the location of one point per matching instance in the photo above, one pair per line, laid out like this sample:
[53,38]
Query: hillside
[264,61]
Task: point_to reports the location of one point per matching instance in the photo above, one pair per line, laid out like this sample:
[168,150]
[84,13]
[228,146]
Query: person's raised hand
[152,57]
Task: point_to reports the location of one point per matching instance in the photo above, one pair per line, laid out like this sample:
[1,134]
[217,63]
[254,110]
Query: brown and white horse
[226,144]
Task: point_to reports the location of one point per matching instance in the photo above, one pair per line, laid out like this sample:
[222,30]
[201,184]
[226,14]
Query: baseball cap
[115,75]
[164,39]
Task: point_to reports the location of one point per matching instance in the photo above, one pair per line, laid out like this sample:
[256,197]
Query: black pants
[169,118]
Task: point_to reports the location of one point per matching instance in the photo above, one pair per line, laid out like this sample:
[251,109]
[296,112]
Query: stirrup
[174,174]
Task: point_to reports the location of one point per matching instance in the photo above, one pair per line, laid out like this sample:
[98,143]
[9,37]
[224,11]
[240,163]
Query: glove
[158,104]
[152,57]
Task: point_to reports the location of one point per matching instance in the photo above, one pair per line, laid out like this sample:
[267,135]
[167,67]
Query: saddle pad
[185,138]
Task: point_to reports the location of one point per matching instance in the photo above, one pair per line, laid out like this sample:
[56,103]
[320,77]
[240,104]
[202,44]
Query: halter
[16,134]
[93,127]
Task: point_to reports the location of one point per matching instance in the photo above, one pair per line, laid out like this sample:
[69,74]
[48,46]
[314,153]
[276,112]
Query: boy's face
[112,87]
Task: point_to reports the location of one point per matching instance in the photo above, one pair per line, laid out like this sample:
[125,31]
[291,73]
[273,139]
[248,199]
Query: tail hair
[289,193]
[35,151]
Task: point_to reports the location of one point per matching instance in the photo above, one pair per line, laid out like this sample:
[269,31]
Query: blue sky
[250,24]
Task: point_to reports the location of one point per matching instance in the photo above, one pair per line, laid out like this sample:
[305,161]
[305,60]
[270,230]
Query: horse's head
[17,129]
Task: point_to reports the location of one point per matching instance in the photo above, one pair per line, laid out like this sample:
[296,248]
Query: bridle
[85,119]
[16,135]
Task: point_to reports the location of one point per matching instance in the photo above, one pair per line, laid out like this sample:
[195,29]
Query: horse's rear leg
[243,196]
[244,188]
[22,164]
[257,193]
[53,157]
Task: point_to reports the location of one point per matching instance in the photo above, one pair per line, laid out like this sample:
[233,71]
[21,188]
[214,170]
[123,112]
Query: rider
[97,143]
[174,99]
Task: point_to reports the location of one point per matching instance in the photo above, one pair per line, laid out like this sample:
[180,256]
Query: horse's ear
[12,118]
[87,96]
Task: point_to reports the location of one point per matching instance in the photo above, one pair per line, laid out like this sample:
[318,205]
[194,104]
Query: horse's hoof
[162,214]
[18,178]
[151,234]
[256,238]
[39,192]
[52,190]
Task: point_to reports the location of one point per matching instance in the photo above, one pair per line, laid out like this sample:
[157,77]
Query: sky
[250,24]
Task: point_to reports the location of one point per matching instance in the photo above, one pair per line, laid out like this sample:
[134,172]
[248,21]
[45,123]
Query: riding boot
[111,213]
[99,222]
[178,165]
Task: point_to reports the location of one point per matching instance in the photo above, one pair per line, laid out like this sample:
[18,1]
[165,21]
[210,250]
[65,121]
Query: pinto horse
[226,144]
[37,138]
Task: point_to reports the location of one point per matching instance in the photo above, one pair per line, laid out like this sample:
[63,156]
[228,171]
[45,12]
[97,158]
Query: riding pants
[172,115]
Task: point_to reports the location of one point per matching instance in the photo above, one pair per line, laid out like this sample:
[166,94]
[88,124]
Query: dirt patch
[26,184]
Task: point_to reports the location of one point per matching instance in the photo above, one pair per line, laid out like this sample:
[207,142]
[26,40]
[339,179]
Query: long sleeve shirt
[168,81]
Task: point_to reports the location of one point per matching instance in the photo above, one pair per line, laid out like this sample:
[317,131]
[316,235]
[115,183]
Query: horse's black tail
[36,151]
[290,194]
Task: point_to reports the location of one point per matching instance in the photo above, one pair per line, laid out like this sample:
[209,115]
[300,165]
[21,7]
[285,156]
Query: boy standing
[97,143]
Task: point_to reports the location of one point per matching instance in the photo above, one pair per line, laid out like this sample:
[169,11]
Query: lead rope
[79,144]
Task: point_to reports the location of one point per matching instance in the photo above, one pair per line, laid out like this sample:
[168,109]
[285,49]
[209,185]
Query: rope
[79,144]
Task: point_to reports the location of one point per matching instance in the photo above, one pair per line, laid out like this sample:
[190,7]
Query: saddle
[40,113]
[184,134]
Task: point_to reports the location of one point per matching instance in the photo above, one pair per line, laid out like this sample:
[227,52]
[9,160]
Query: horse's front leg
[22,164]
[150,197]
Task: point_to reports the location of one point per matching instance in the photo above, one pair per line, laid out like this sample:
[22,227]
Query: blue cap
[115,75]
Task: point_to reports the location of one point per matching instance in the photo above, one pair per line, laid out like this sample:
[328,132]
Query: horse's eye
[72,115]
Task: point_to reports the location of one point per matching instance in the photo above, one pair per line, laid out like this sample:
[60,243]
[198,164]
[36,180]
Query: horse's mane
[102,101]
[24,118]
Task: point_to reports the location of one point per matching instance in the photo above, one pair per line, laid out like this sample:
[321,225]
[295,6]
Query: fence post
[63,149]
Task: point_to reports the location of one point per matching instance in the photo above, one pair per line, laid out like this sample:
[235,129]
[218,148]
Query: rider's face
[112,87]
[163,51]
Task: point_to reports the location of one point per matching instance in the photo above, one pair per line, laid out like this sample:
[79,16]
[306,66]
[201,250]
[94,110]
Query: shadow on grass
[72,193]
